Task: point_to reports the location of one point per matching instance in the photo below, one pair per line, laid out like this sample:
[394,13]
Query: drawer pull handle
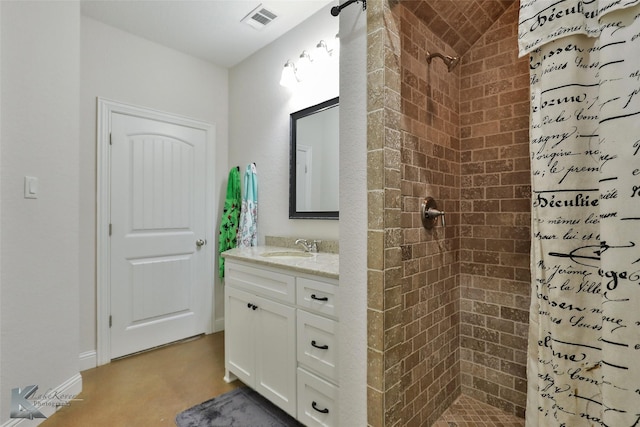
[252,306]
[313,296]
[321,347]
[314,405]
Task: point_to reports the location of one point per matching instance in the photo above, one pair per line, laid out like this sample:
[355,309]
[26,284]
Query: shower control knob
[434,214]
[429,213]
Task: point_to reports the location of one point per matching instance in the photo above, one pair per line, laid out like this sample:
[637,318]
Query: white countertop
[320,264]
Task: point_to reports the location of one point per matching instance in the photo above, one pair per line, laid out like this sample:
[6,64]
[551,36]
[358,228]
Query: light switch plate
[30,187]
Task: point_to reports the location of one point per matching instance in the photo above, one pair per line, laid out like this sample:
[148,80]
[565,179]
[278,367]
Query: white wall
[259,131]
[1,139]
[259,110]
[353,217]
[39,249]
[122,67]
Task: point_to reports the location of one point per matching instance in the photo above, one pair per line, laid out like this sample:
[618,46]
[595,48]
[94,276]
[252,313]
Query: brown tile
[467,412]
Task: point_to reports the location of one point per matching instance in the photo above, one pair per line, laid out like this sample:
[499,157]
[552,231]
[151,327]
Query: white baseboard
[69,388]
[218,325]
[88,360]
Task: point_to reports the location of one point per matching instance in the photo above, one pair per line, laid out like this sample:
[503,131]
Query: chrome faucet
[309,247]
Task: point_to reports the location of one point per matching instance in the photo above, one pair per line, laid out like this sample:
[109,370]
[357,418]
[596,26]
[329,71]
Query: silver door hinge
[110,229]
[110,320]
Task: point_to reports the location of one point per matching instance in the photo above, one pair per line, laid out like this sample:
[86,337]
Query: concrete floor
[148,389]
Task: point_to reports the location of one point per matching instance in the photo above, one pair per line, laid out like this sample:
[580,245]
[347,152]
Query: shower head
[450,61]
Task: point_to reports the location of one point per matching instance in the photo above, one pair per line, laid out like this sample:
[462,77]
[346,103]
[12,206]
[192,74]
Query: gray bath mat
[242,407]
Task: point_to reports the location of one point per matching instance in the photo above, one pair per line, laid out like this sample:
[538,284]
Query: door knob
[200,242]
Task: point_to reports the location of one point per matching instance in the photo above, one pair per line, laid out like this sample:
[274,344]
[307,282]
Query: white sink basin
[287,254]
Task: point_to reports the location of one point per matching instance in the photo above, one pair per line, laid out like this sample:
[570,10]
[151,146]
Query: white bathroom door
[160,270]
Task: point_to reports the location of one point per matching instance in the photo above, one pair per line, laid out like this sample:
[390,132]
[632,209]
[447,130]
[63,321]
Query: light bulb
[304,65]
[288,77]
[322,51]
[336,47]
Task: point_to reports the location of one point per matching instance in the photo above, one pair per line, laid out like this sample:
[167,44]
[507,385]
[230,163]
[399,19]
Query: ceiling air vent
[259,17]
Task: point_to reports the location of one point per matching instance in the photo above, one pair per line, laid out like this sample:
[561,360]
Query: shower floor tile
[468,412]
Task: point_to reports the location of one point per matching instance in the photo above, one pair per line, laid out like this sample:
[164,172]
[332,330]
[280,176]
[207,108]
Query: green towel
[230,216]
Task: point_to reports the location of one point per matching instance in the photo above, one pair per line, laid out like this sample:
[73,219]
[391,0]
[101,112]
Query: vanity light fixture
[289,77]
[322,51]
[293,74]
[304,65]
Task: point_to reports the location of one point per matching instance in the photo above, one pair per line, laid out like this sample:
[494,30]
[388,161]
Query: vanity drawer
[263,282]
[317,401]
[317,296]
[318,344]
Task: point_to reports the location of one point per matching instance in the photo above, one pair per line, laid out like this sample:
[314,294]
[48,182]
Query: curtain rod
[335,11]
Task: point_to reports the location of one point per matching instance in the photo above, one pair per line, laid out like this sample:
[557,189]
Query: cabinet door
[239,334]
[275,336]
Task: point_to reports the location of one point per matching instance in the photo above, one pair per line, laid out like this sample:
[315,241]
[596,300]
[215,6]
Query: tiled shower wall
[447,308]
[430,166]
[495,217]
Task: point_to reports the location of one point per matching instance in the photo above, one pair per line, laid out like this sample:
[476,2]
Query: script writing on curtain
[584,342]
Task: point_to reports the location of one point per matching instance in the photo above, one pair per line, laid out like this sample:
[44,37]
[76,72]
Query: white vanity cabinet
[280,338]
[258,346]
[260,326]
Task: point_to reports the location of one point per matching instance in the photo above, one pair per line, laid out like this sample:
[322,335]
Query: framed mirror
[313,169]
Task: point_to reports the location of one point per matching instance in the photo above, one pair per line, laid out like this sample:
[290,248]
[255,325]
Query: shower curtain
[584,337]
